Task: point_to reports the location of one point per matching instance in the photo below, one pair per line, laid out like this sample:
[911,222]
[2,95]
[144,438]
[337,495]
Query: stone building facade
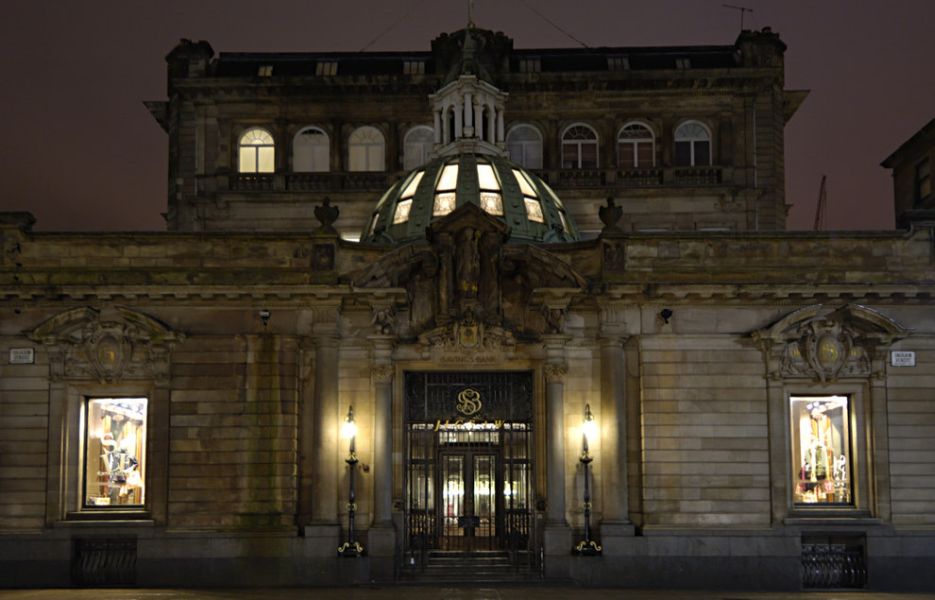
[911,164]
[576,387]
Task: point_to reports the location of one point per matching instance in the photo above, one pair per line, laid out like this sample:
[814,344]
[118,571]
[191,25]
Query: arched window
[366,150]
[636,147]
[524,145]
[256,151]
[579,147]
[311,151]
[692,145]
[417,146]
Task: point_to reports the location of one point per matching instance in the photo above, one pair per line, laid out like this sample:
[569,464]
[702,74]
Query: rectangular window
[821,450]
[683,154]
[265,71]
[326,68]
[530,65]
[618,63]
[414,67]
[923,187]
[114,452]
[402,211]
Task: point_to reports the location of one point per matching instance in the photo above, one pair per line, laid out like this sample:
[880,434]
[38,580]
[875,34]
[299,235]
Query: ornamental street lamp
[587,546]
[350,548]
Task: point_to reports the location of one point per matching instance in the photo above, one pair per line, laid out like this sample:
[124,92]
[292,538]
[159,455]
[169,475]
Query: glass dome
[502,189]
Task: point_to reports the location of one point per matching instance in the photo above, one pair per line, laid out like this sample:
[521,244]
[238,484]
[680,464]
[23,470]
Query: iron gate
[469,463]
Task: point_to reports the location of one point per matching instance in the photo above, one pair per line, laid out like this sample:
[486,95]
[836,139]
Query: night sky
[82,153]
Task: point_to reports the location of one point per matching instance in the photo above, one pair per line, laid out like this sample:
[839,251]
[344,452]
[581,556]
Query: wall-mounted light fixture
[587,546]
[666,314]
[264,316]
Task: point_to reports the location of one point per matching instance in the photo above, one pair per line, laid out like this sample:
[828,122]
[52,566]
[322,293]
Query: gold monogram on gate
[469,402]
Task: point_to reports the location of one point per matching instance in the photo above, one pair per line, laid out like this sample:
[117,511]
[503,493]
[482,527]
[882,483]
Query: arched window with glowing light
[366,150]
[311,151]
[692,145]
[417,146]
[256,152]
[579,147]
[636,147]
[524,146]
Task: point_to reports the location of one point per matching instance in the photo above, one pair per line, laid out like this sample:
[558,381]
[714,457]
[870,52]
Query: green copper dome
[502,189]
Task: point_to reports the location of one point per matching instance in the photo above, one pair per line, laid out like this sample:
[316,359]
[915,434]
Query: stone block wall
[704,430]
[911,404]
[24,430]
[233,433]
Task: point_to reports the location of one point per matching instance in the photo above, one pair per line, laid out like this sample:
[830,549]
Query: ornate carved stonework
[384,320]
[468,341]
[465,269]
[826,344]
[555,372]
[825,352]
[108,345]
[382,373]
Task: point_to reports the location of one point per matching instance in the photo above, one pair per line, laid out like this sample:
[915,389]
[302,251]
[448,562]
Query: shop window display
[115,452]
[821,450]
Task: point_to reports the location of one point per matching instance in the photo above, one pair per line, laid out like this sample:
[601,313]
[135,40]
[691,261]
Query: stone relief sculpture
[826,343]
[108,345]
[466,275]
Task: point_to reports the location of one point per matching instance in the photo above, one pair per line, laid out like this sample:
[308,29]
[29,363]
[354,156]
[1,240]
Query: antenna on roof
[822,204]
[741,9]
[470,13]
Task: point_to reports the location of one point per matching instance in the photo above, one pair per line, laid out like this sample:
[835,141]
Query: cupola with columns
[468,109]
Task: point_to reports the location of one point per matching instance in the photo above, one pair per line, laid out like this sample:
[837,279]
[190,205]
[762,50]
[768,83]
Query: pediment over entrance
[825,343]
[108,345]
[466,271]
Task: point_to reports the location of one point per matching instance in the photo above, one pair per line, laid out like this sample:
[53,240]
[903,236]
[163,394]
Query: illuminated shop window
[821,450]
[115,452]
[257,152]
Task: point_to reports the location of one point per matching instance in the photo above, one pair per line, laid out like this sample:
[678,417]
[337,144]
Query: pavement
[440,592]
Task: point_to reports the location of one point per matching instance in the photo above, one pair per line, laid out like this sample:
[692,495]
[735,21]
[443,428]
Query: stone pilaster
[614,441]
[557,534]
[614,428]
[381,538]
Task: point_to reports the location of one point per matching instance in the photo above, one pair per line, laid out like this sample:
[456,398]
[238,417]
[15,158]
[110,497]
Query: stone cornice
[273,295]
[793,293]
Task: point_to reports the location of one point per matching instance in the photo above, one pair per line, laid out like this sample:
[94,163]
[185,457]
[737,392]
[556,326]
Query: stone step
[472,568]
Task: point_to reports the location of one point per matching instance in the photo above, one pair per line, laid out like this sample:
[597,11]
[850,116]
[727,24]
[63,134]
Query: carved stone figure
[489,285]
[423,291]
[384,320]
[468,264]
[445,248]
